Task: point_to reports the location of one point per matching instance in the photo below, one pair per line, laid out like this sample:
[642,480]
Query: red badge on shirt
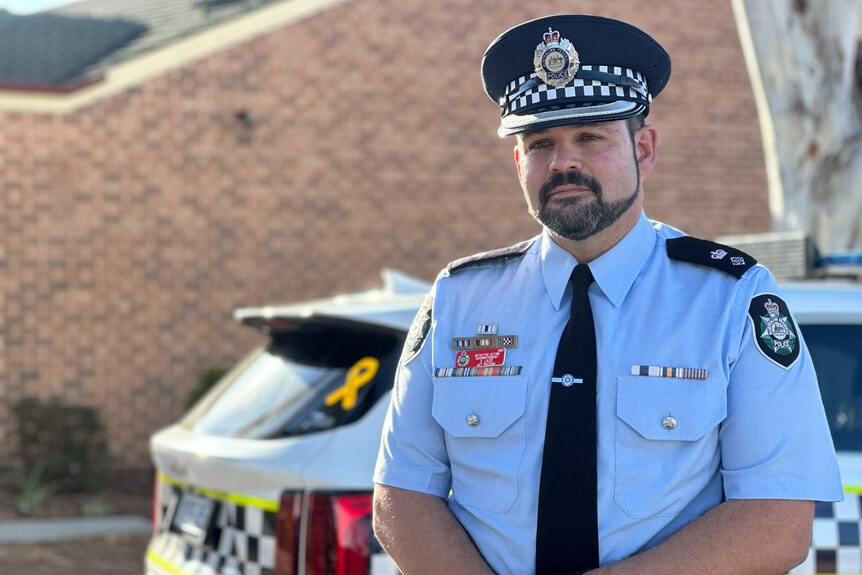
[481,357]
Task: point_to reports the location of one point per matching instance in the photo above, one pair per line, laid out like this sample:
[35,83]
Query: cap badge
[556,60]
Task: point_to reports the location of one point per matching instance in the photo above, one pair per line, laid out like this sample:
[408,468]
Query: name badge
[481,357]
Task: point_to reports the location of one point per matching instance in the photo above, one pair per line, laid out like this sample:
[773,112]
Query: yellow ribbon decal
[361,373]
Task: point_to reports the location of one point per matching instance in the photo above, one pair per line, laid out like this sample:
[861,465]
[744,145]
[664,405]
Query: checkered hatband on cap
[595,94]
[539,95]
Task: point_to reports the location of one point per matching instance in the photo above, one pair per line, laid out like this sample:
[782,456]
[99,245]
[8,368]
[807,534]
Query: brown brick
[132,227]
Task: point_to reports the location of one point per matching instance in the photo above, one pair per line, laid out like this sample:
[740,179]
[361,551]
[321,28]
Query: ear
[646,145]
[518,159]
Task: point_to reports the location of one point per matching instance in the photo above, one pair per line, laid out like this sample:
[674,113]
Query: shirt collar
[614,271]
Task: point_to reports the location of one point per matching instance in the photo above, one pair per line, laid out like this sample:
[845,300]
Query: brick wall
[297,165]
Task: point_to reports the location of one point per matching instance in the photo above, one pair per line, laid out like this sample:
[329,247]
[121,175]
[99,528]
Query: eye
[537,144]
[589,137]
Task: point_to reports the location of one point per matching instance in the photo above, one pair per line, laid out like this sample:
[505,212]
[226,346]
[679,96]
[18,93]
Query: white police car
[829,314]
[270,472]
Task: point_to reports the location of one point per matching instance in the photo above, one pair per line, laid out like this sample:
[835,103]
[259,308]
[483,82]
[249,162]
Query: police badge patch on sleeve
[774,331]
[418,330]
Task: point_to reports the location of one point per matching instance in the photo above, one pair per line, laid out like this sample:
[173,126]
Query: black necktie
[567,538]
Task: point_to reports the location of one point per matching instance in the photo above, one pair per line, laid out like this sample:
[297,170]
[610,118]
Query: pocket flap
[491,404]
[667,409]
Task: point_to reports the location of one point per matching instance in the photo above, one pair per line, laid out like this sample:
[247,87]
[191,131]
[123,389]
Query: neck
[591,248]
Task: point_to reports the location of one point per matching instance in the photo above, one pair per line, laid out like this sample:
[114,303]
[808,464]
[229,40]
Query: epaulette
[503,254]
[707,253]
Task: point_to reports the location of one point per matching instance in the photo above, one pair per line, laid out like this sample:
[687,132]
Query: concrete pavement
[68,528]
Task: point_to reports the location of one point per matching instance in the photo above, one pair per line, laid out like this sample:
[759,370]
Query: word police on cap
[556,60]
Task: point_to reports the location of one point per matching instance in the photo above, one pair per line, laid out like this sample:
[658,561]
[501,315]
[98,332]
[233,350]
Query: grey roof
[66,46]
[49,50]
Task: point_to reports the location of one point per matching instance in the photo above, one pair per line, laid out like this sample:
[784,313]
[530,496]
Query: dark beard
[578,218]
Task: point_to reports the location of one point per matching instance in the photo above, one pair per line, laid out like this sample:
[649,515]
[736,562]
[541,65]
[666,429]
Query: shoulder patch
[504,255]
[773,328]
[707,253]
[419,329]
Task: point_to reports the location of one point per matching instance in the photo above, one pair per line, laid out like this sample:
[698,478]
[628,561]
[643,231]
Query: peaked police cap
[571,68]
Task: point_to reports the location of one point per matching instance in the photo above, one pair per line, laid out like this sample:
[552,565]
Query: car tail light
[156,503]
[287,527]
[338,537]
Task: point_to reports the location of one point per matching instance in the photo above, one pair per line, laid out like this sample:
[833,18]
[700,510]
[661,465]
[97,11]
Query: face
[582,179]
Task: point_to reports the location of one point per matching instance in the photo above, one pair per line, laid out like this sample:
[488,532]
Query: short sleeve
[412,449]
[775,441]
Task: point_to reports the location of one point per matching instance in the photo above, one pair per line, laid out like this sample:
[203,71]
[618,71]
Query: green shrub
[208,379]
[34,491]
[65,443]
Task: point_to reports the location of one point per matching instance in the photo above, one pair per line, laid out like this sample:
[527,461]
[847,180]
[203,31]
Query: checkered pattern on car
[835,545]
[579,88]
[244,539]
[241,542]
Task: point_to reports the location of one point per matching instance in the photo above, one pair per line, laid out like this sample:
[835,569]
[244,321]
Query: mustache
[572,177]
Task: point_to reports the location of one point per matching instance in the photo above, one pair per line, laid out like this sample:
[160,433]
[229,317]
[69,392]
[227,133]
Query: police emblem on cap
[556,60]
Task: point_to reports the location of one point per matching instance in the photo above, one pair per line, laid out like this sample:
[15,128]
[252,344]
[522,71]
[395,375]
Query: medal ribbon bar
[485,342]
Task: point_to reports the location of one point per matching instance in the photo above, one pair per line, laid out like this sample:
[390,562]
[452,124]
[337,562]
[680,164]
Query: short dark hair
[635,123]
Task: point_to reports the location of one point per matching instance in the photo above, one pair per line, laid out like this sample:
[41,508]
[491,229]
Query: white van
[270,472]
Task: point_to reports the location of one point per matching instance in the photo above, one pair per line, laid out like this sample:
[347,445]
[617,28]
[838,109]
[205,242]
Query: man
[611,396]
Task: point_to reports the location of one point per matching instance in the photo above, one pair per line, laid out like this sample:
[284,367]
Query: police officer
[611,396]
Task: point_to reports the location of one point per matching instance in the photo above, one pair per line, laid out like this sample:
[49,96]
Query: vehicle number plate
[193,515]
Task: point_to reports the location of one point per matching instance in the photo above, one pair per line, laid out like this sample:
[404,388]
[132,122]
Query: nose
[566,157]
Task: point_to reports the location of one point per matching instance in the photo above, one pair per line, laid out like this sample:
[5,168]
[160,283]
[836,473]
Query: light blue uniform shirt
[750,430]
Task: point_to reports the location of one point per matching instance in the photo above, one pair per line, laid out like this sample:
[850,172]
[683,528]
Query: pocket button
[668,423]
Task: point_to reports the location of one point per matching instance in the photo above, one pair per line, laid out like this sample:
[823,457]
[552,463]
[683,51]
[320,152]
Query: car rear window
[837,354]
[309,377]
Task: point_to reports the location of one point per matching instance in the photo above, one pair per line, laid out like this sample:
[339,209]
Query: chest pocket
[485,437]
[666,443]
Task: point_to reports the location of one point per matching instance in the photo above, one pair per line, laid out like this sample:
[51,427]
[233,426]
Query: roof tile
[66,46]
